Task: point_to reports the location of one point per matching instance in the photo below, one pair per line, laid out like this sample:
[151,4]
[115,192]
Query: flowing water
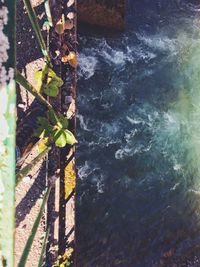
[138,197]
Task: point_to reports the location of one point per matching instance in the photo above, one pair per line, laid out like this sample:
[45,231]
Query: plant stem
[23,82]
[22,173]
[36,27]
[48,12]
[25,254]
[44,245]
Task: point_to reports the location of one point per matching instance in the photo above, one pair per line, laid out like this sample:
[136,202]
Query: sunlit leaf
[70,138]
[53,84]
[43,144]
[60,137]
[51,89]
[52,76]
[59,28]
[72,59]
[39,77]
[38,80]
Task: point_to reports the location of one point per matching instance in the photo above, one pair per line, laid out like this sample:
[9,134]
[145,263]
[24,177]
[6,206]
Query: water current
[138,159]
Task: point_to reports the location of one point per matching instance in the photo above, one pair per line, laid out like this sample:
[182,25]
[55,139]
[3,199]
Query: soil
[29,191]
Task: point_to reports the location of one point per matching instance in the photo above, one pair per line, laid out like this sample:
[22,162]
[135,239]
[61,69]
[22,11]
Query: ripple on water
[139,146]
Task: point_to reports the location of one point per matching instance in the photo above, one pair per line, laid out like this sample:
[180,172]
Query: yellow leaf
[59,28]
[72,59]
[64,59]
[42,145]
[70,179]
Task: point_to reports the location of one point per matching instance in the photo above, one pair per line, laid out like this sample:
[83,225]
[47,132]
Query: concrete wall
[106,13]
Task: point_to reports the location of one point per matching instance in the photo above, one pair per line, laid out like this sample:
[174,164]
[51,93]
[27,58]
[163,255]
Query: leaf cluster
[47,81]
[52,131]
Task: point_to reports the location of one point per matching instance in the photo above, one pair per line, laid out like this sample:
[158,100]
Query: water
[138,159]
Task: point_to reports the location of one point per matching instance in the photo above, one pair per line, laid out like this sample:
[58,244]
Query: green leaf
[38,80]
[51,89]
[42,121]
[43,144]
[70,138]
[45,128]
[53,77]
[25,254]
[52,117]
[39,77]
[47,81]
[23,82]
[64,137]
[60,138]
[64,121]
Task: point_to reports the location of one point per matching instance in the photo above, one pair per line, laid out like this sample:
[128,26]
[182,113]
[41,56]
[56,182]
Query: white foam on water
[98,180]
[174,187]
[84,170]
[177,167]
[159,43]
[83,122]
[87,66]
[134,121]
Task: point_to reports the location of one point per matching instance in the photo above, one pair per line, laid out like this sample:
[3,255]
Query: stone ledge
[105,13]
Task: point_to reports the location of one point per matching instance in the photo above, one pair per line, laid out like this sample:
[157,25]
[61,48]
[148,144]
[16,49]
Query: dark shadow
[29,200]
[63,219]
[27,45]
[97,31]
[26,127]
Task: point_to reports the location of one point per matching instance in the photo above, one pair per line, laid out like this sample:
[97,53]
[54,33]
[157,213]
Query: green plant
[53,128]
[25,254]
[47,81]
[48,13]
[43,250]
[36,27]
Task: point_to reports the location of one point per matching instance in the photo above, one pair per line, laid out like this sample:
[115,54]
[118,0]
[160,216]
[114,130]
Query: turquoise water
[138,196]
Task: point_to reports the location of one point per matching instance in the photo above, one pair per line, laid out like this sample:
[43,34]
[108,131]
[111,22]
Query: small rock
[27,179]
